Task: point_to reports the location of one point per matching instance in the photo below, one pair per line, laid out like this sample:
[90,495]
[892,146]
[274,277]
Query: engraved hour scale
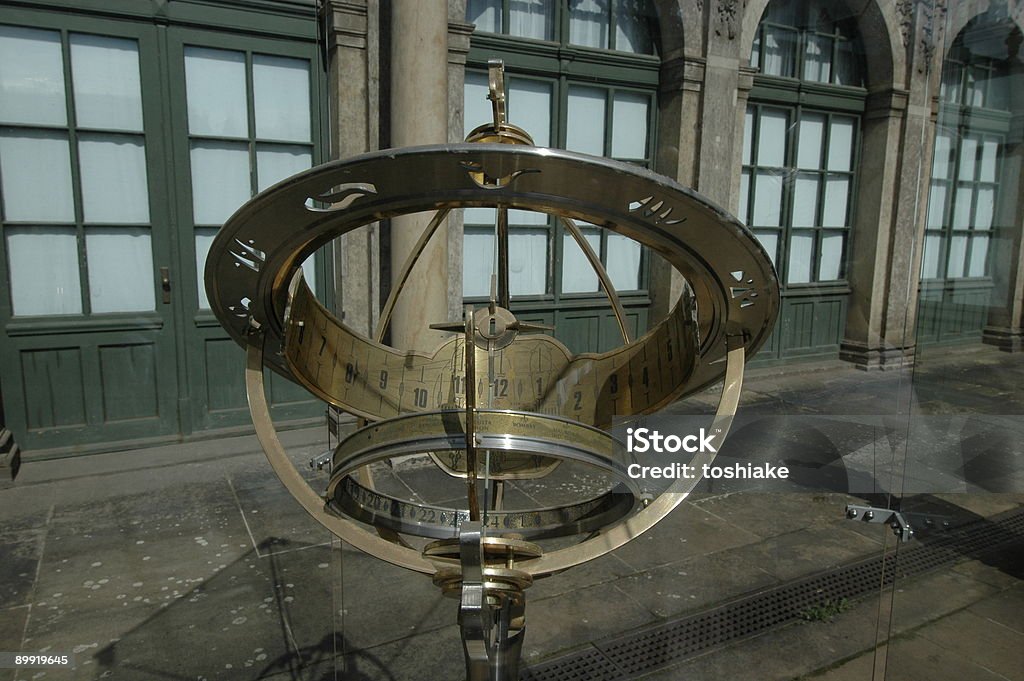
[499,400]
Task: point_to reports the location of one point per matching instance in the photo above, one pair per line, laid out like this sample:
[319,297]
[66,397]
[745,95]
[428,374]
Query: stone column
[419,115]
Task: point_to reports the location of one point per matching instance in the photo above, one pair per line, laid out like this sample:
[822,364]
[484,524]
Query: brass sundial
[498,400]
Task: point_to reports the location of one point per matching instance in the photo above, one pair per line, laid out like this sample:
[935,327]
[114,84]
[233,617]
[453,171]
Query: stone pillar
[419,115]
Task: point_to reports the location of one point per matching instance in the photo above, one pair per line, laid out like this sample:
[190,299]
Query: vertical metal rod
[502,229]
[471,454]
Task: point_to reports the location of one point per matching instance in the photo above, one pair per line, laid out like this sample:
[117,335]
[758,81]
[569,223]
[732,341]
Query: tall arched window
[580,75]
[963,216]
[800,155]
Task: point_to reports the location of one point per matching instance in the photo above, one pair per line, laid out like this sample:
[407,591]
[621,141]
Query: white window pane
[280,93]
[588,23]
[527,262]
[957,253]
[979,253]
[35,167]
[930,261]
[805,200]
[968,155]
[477,109]
[755,52]
[985,208]
[477,262]
[949,91]
[770,241]
[31,77]
[120,269]
[114,185]
[623,264]
[524,217]
[309,272]
[215,89]
[204,239]
[840,144]
[480,216]
[486,14]
[818,59]
[220,180]
[105,73]
[812,132]
[962,207]
[976,79]
[529,107]
[577,274]
[989,154]
[837,193]
[748,135]
[586,111]
[771,141]
[43,265]
[800,248]
[779,50]
[629,125]
[937,205]
[767,200]
[531,18]
[632,33]
[940,164]
[275,162]
[744,196]
[830,266]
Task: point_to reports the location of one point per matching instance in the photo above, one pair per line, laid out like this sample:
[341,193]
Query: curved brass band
[409,558]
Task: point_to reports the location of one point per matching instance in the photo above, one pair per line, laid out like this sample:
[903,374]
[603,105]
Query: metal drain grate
[670,642]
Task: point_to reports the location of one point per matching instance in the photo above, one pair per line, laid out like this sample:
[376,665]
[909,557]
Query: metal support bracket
[900,522]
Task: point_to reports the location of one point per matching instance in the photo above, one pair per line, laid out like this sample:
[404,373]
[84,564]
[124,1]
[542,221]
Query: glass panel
[477,109]
[114,185]
[770,241]
[968,157]
[522,217]
[771,138]
[744,196]
[979,253]
[478,262]
[846,71]
[937,205]
[805,200]
[43,265]
[950,89]
[481,216]
[586,113]
[930,261]
[204,239]
[35,167]
[632,33]
[837,192]
[800,248]
[629,125]
[943,148]
[830,267]
[755,51]
[840,143]
[962,207]
[527,262]
[220,180]
[309,271]
[577,274]
[748,135]
[985,208]
[280,94]
[486,14]
[120,269]
[767,200]
[818,59]
[105,74]
[529,107]
[779,52]
[275,162]
[31,77]
[957,253]
[812,134]
[976,79]
[588,23]
[531,19]
[215,89]
[989,154]
[623,264]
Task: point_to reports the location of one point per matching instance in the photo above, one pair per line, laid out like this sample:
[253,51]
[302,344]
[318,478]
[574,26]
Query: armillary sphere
[498,400]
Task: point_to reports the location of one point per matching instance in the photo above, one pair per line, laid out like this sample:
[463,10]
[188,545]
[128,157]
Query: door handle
[165,283]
